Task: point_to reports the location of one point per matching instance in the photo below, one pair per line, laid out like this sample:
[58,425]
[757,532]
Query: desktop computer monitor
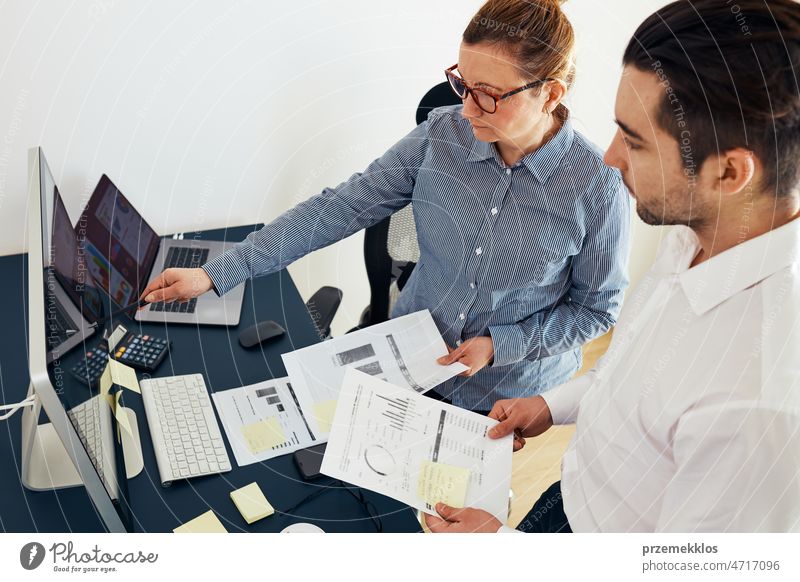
[66,451]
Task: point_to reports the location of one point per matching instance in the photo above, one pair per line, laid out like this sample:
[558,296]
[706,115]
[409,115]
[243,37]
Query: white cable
[26,402]
[12,408]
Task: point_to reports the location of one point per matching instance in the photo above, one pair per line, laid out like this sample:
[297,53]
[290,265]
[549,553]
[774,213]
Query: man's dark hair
[729,69]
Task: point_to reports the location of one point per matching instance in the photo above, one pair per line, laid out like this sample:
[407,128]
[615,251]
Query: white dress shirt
[691,421]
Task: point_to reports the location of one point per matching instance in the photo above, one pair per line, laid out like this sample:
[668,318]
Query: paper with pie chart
[416,449]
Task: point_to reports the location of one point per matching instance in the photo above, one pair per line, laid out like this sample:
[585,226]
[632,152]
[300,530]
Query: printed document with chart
[402,351]
[263,420]
[416,449]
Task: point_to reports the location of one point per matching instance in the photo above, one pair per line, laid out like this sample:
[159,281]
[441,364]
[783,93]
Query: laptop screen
[121,247]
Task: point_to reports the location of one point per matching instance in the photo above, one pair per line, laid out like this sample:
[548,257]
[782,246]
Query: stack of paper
[280,416]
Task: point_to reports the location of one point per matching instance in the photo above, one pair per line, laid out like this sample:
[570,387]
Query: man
[691,421]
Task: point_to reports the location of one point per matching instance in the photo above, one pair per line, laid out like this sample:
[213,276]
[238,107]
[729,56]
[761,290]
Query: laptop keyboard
[175,306]
[183,258]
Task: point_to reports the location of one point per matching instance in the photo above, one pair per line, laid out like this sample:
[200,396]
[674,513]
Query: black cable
[367,505]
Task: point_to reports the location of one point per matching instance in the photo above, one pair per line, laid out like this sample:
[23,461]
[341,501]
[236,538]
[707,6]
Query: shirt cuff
[226,271]
[564,400]
[506,529]
[509,344]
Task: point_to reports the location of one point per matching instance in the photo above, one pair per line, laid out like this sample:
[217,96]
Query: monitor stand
[46,464]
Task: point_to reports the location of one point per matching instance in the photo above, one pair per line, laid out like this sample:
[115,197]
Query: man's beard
[670,213]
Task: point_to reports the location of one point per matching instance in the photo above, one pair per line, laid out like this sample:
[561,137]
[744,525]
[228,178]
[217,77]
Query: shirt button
[458,342]
[472,285]
[478,251]
[462,316]
[508,170]
[494,210]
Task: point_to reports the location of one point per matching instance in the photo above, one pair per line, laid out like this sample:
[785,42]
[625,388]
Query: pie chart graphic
[379,460]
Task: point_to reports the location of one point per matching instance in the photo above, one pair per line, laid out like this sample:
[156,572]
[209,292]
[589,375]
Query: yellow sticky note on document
[251,503]
[323,412]
[206,523]
[123,375]
[441,482]
[263,435]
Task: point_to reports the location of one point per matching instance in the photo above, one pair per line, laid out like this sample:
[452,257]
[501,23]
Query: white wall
[222,113]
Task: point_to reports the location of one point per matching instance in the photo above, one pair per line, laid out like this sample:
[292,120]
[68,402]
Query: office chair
[322,307]
[390,249]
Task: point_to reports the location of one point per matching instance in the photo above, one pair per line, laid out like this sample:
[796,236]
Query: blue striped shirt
[533,256]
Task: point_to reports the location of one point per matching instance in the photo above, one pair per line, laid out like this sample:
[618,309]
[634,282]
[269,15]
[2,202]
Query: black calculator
[141,351]
[91,366]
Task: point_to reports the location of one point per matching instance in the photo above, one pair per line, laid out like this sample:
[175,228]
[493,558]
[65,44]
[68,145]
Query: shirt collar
[541,162]
[481,150]
[724,275]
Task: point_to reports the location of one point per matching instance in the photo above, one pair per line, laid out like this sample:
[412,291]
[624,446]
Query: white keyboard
[93,425]
[185,432]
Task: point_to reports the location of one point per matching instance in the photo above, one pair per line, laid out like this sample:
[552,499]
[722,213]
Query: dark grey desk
[215,352]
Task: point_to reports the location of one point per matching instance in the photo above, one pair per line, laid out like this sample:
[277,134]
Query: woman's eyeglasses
[483,99]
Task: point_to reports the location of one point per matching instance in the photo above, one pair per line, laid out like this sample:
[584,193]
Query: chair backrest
[438,96]
[390,247]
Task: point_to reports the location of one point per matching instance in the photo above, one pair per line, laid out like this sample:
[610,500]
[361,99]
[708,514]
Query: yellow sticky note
[263,435]
[123,375]
[114,338]
[441,482]
[105,381]
[251,503]
[119,412]
[206,523]
[122,415]
[323,412]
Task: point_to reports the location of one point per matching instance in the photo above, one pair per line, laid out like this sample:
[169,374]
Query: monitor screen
[120,245]
[89,416]
[70,266]
[65,268]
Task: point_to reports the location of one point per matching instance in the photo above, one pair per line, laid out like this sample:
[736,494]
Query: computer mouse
[260,332]
[302,527]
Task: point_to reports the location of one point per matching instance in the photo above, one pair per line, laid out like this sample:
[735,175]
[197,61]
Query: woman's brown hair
[536,33]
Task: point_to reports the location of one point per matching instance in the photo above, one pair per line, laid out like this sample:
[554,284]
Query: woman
[523,231]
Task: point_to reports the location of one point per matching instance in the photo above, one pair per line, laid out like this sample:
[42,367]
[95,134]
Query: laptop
[125,253]
[75,303]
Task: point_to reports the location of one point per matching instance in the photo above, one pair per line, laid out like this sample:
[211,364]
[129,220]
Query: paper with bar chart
[263,420]
[416,449]
[402,351]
